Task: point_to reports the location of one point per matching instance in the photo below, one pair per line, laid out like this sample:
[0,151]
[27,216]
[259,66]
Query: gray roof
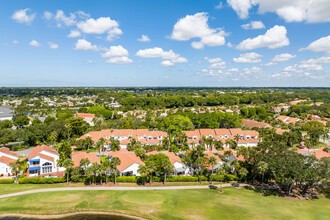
[5,111]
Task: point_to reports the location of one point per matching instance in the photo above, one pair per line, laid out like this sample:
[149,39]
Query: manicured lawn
[172,204]
[12,188]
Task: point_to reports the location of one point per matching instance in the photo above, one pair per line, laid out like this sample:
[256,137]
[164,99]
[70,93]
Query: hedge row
[6,181]
[127,179]
[41,180]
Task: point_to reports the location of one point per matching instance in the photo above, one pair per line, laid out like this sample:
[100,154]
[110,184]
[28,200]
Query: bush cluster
[6,181]
[41,180]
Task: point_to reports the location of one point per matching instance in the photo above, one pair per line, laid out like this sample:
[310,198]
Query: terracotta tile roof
[36,150]
[77,156]
[239,131]
[209,154]
[6,160]
[223,132]
[85,115]
[281,131]
[252,123]
[171,155]
[207,132]
[6,150]
[192,133]
[126,159]
[319,153]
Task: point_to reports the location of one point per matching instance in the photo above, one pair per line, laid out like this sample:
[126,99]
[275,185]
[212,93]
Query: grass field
[172,204]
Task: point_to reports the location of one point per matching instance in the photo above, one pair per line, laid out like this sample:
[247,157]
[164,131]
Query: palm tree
[68,164]
[203,141]
[262,167]
[95,170]
[151,168]
[167,166]
[84,162]
[221,172]
[88,142]
[143,171]
[115,161]
[18,166]
[165,142]
[210,142]
[100,171]
[89,172]
[99,146]
[243,172]
[115,144]
[107,166]
[235,166]
[237,137]
[212,161]
[200,161]
[218,145]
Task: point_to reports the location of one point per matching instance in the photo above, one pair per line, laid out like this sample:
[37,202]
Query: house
[87,117]
[252,124]
[248,138]
[6,158]
[77,156]
[125,135]
[276,109]
[178,166]
[42,161]
[129,163]
[6,113]
[193,137]
[210,154]
[287,119]
[318,153]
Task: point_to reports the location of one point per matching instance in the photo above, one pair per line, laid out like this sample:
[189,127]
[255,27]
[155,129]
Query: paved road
[110,188]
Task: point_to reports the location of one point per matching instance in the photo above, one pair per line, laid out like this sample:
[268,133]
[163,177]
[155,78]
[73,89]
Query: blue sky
[185,43]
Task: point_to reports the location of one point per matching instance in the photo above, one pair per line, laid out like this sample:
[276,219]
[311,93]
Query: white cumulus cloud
[248,58]
[115,51]
[196,26]
[100,26]
[241,7]
[253,25]
[22,16]
[83,44]
[275,37]
[74,33]
[35,43]
[144,38]
[158,52]
[119,60]
[52,45]
[320,45]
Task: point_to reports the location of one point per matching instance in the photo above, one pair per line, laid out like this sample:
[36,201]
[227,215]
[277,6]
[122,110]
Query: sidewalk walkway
[111,188]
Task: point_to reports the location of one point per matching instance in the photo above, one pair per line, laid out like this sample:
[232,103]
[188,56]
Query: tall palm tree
[99,146]
[237,137]
[100,171]
[212,162]
[167,166]
[262,167]
[151,169]
[143,171]
[221,172]
[18,166]
[88,142]
[95,167]
[243,172]
[165,142]
[115,161]
[200,161]
[115,144]
[84,162]
[89,173]
[218,145]
[107,166]
[210,142]
[68,164]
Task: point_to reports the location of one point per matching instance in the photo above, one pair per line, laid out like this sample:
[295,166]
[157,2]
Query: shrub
[41,180]
[226,178]
[6,181]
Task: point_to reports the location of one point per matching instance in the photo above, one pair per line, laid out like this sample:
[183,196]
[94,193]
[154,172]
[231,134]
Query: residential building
[6,158]
[129,163]
[87,117]
[42,161]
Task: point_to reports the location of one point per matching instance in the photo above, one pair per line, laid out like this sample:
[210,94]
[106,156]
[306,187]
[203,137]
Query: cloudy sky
[165,43]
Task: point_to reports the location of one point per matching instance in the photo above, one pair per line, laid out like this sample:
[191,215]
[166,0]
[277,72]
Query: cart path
[107,188]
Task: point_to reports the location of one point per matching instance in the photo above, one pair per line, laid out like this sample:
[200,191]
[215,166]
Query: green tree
[143,171]
[64,149]
[221,172]
[212,162]
[167,167]
[21,121]
[68,164]
[151,169]
[115,161]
